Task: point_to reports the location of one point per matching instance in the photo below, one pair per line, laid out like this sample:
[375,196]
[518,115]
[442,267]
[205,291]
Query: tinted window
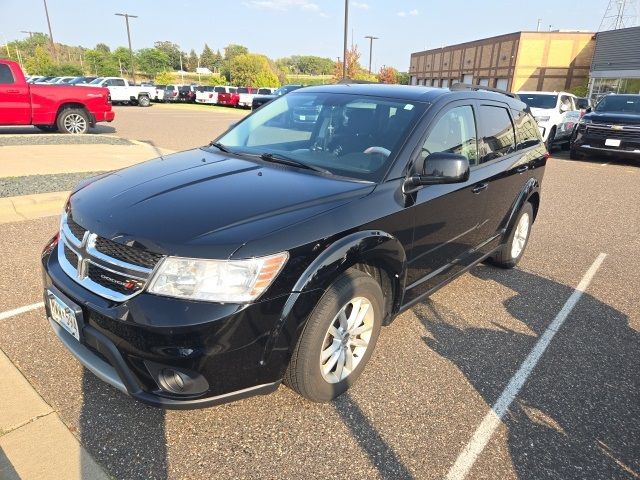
[528,134]
[539,100]
[496,131]
[619,103]
[5,74]
[117,82]
[264,91]
[454,132]
[567,101]
[220,89]
[243,90]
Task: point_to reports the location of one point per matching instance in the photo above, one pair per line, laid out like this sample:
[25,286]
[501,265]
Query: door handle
[522,168]
[480,187]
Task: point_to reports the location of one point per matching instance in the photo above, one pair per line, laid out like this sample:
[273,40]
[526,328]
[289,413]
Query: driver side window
[454,132]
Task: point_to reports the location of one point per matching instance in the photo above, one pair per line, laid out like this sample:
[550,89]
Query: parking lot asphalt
[435,373]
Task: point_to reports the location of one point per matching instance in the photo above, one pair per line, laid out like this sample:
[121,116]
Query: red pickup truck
[51,108]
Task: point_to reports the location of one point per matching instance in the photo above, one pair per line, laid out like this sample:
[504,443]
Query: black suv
[279,251]
[612,128]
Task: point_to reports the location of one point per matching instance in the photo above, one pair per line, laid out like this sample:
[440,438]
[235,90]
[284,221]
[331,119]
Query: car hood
[203,204]
[542,112]
[613,117]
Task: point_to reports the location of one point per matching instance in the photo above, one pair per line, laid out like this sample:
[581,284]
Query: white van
[554,112]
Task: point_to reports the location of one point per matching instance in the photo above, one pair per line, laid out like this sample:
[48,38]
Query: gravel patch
[60,139]
[59,182]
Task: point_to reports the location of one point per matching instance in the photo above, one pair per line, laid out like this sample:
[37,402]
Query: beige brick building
[515,61]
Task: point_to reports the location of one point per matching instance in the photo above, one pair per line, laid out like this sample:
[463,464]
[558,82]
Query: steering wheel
[381,150]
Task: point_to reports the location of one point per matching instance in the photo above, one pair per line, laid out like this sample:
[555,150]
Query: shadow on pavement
[125,436]
[28,130]
[578,416]
[379,452]
[7,472]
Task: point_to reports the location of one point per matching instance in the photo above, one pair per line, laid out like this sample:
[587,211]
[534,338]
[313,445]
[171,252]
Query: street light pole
[371,39]
[53,44]
[346,34]
[126,17]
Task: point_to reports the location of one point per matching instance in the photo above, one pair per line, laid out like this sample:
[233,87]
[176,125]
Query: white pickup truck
[123,92]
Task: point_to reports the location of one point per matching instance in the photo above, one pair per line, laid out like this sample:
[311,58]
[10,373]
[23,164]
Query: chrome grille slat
[110,277]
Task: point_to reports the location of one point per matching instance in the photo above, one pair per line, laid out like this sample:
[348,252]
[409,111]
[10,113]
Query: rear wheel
[338,339]
[144,101]
[513,249]
[73,120]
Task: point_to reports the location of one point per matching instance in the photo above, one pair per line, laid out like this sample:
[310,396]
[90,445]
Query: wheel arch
[68,105]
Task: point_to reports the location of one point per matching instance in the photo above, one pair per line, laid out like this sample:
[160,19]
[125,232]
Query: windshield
[620,104]
[170,88]
[347,135]
[96,81]
[539,100]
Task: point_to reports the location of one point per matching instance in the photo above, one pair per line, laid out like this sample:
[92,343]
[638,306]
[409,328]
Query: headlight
[227,281]
[542,119]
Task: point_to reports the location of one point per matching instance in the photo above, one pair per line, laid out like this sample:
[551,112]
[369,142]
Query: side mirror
[588,110]
[440,168]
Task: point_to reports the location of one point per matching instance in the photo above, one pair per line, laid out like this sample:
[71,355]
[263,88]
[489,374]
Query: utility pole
[126,18]
[27,31]
[53,44]
[346,34]
[371,39]
[539,23]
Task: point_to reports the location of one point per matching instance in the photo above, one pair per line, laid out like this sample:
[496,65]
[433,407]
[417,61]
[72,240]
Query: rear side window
[243,90]
[220,89]
[527,131]
[454,132]
[117,82]
[6,76]
[496,131]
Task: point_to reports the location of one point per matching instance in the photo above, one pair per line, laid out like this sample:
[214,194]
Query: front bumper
[588,141]
[239,350]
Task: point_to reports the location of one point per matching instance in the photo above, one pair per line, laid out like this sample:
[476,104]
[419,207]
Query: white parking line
[18,311]
[492,419]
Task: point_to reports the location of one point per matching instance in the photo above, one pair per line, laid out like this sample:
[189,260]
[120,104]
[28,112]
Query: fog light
[177,380]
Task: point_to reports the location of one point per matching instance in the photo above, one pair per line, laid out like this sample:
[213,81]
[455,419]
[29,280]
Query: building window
[502,83]
[445,82]
[484,82]
[468,79]
[602,86]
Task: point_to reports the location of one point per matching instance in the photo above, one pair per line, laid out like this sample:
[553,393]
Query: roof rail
[465,86]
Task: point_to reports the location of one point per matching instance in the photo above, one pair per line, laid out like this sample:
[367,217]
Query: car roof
[415,93]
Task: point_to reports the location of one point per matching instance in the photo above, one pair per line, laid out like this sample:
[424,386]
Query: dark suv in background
[277,252]
[611,128]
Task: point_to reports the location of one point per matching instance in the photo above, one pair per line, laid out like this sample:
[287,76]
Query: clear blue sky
[281,28]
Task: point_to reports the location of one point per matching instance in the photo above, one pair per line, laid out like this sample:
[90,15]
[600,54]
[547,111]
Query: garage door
[468,79]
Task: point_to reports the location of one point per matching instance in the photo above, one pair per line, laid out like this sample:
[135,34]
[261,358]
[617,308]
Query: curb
[29,207]
[34,442]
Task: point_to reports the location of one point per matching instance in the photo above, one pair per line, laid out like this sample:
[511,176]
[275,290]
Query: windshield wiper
[220,147]
[284,160]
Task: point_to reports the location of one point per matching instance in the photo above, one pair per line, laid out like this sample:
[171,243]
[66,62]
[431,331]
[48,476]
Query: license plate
[612,142]
[63,315]
[302,118]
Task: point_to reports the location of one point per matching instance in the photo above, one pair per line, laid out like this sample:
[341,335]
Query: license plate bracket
[65,312]
[612,142]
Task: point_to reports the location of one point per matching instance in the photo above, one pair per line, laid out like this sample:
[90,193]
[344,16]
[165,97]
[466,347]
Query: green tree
[172,51]
[233,50]
[404,78]
[164,78]
[192,61]
[152,61]
[68,70]
[40,63]
[103,47]
[208,58]
[100,63]
[215,79]
[252,70]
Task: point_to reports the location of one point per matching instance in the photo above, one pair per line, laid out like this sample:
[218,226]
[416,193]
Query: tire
[550,139]
[510,253]
[47,128]
[320,337]
[74,121]
[143,101]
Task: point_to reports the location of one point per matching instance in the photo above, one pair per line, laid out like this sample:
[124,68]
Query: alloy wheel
[75,123]
[346,340]
[520,236]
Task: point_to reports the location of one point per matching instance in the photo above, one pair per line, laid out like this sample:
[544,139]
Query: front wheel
[338,339]
[510,253]
[550,139]
[74,121]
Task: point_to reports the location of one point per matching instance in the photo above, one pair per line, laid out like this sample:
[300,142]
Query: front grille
[127,254]
[71,257]
[113,281]
[109,269]
[605,132]
[75,229]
